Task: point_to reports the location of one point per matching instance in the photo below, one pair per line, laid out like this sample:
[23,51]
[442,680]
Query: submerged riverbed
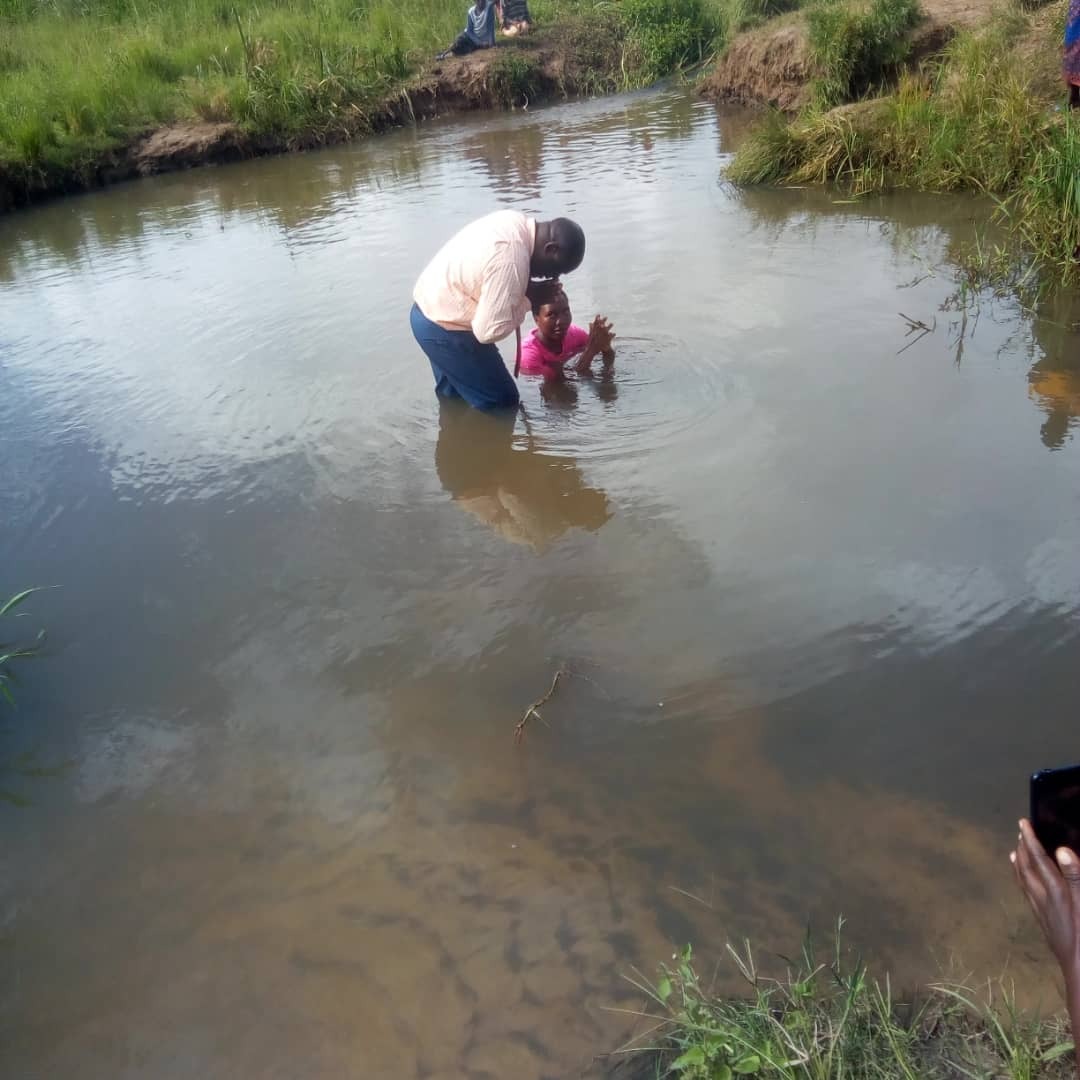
[823,595]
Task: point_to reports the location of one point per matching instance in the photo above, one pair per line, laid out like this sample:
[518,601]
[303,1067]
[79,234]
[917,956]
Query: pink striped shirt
[477,280]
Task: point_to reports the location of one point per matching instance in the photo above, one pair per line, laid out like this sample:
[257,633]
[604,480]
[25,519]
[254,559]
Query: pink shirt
[538,359]
[477,280]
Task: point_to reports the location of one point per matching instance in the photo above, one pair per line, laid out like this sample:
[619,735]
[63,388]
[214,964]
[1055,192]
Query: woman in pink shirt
[556,339]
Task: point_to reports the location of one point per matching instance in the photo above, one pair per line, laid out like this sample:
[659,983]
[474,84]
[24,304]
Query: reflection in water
[1054,380]
[513,171]
[797,568]
[566,393]
[526,496]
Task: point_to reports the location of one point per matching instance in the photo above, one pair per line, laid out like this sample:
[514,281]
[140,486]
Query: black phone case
[1058,789]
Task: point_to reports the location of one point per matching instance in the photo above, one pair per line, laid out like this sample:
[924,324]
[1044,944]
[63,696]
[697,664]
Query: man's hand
[1053,891]
[534,285]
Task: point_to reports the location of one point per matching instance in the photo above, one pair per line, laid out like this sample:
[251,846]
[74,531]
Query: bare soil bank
[511,75]
[771,65]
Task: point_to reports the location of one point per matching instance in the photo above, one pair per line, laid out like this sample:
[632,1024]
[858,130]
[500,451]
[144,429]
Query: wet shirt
[477,280]
[538,359]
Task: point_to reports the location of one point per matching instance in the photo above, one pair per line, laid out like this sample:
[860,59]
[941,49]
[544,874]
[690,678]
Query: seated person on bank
[515,17]
[556,340]
[479,32]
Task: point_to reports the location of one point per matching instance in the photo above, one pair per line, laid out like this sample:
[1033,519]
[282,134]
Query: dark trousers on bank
[463,44]
[464,367]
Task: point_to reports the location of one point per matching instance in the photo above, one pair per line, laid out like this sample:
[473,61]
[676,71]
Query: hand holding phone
[1047,869]
[1052,888]
[1055,808]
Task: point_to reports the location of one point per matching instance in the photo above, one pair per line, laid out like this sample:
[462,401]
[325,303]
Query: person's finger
[1015,863]
[1034,893]
[1029,878]
[1040,862]
[1029,883]
[1046,885]
[1069,865]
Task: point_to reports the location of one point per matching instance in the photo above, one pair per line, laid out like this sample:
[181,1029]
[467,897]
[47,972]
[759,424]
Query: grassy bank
[825,1017]
[982,116]
[81,79]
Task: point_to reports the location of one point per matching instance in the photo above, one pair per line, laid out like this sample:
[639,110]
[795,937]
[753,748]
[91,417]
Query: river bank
[104,91]
[775,64]
[511,76]
[957,96]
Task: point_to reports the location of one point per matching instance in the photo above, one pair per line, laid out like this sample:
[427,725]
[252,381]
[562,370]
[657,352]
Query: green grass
[826,1018]
[81,78]
[671,33]
[983,118]
[856,45]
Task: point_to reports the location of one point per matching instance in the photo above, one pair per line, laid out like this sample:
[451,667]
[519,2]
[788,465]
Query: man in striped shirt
[476,291]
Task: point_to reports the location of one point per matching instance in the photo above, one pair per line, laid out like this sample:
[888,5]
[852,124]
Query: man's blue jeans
[462,366]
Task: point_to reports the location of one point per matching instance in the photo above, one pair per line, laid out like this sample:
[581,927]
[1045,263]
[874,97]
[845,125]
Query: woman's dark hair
[545,292]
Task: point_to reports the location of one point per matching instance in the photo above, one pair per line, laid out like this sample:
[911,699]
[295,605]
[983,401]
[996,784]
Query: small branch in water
[915,326]
[519,730]
[691,896]
[918,279]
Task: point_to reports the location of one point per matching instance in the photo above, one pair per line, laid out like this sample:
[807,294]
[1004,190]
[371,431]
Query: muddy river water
[823,596]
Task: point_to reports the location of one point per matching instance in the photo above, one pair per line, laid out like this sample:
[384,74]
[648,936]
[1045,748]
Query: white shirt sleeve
[503,304]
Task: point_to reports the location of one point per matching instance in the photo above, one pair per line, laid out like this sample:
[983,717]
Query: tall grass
[855,45]
[671,33]
[79,78]
[826,1018]
[735,16]
[979,119]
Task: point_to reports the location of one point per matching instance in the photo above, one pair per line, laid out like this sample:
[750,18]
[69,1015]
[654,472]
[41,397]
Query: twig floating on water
[519,730]
[915,326]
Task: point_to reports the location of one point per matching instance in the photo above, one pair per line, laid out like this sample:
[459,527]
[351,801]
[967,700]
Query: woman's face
[553,319]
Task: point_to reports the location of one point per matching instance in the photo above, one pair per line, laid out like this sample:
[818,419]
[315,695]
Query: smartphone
[1055,808]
